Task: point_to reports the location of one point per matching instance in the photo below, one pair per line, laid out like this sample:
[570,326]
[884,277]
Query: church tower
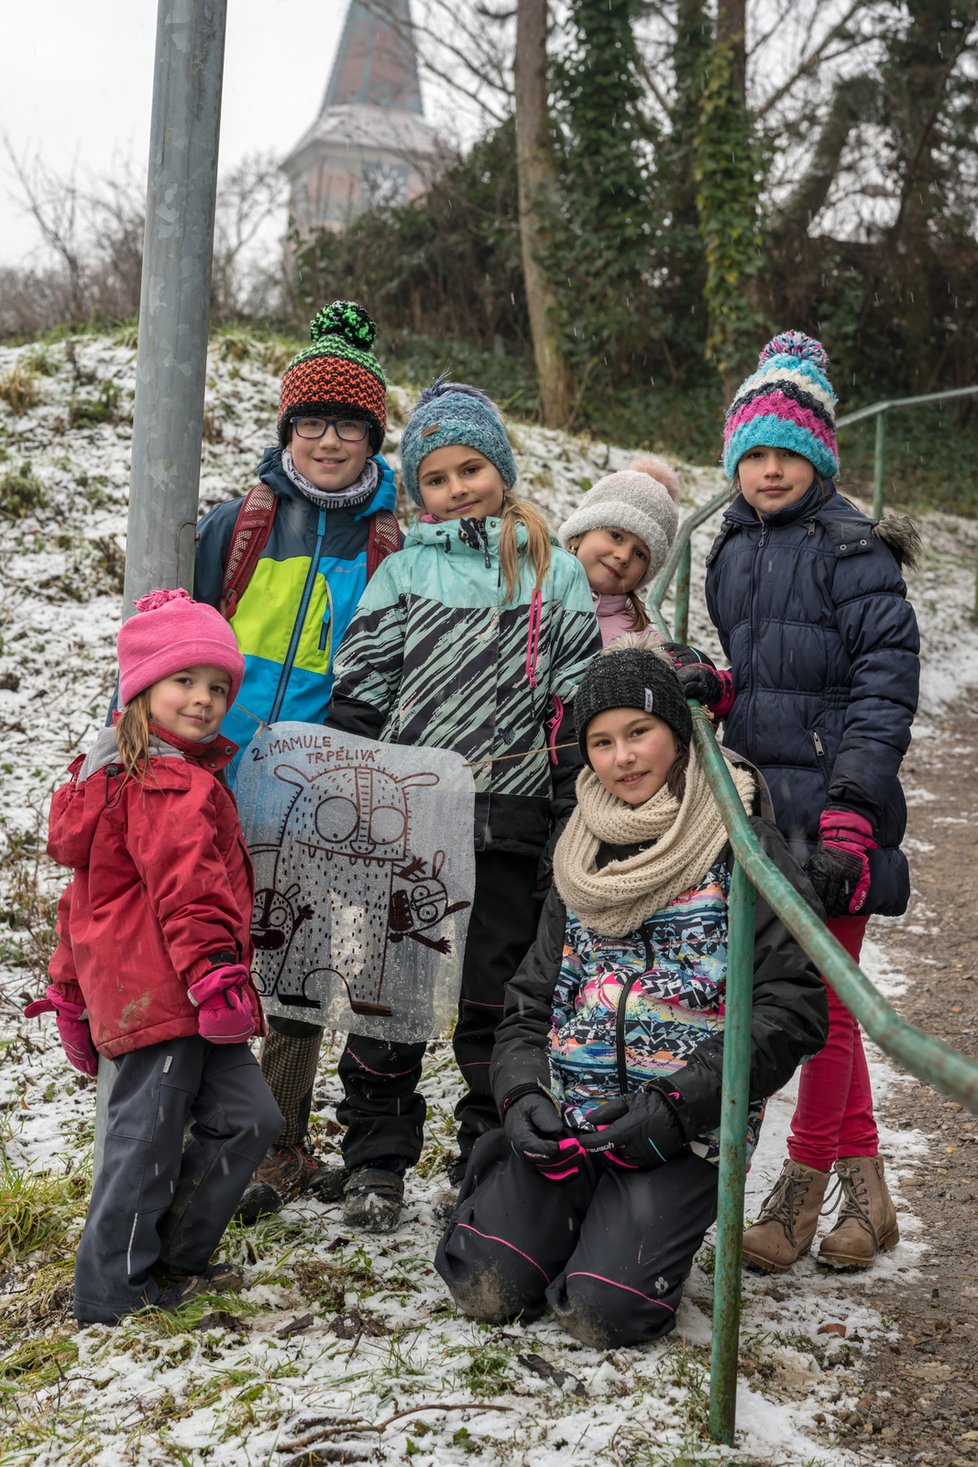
[370,144]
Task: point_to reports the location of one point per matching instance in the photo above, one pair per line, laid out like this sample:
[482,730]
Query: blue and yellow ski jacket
[299,601]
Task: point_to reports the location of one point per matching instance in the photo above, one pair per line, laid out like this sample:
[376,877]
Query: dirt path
[919,1401]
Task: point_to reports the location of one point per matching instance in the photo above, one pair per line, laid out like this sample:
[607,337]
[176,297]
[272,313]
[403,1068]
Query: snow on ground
[340,1348]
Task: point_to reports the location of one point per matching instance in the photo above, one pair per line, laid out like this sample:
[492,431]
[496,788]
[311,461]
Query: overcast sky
[76,85]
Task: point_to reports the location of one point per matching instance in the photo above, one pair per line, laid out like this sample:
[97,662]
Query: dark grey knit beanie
[632,678]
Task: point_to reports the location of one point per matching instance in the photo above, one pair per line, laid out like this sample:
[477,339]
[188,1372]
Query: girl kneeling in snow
[596,1194]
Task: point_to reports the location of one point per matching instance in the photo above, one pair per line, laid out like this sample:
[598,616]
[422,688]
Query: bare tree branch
[817,56]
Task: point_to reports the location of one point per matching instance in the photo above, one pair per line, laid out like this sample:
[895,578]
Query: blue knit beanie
[787,403]
[448,413]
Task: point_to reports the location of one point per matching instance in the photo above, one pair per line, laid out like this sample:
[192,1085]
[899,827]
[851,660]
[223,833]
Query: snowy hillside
[340,1348]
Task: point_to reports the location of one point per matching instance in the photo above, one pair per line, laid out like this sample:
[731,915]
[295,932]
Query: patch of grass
[236,346]
[28,912]
[88,412]
[19,387]
[491,1368]
[36,1363]
[127,334]
[44,1301]
[37,1207]
[43,362]
[21,492]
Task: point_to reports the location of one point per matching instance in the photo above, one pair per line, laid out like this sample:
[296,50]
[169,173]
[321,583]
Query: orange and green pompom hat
[338,374]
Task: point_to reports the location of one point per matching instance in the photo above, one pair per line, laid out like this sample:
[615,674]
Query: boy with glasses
[325,513]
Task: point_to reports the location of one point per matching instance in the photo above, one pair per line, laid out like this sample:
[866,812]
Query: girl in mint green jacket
[474,639]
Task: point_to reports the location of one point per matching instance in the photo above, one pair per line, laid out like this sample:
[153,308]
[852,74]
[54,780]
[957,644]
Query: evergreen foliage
[726,170]
[605,146]
[691,226]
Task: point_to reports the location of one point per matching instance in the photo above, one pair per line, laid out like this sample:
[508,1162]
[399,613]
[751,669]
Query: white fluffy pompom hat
[642,499]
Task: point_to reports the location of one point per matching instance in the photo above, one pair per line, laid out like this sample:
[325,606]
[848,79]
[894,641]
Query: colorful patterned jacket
[592,1017]
[435,656]
[300,599]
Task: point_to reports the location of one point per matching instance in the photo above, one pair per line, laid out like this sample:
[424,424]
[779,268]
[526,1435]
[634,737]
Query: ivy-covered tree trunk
[727,179]
[536,177]
[608,223]
[684,287]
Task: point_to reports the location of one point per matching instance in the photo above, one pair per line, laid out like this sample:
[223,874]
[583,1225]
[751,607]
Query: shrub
[21,492]
[18,387]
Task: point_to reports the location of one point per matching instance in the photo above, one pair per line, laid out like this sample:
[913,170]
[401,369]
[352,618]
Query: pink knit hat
[172,632]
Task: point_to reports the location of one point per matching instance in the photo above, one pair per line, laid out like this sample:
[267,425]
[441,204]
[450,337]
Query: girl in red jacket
[151,970]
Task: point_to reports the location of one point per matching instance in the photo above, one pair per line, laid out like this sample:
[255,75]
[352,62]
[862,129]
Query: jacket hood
[271,471]
[105,750]
[77,807]
[899,532]
[95,783]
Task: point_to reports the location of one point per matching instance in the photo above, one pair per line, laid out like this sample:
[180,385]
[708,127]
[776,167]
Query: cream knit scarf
[688,837]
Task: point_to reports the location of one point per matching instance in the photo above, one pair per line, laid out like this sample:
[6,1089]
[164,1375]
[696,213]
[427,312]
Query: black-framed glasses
[351,430]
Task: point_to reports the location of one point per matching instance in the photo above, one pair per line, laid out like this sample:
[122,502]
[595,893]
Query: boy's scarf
[353,495]
[688,837]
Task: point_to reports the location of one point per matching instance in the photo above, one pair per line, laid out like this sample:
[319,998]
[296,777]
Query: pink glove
[76,1036]
[839,866]
[225,1015]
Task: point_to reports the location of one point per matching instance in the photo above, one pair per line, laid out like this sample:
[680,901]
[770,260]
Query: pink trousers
[834,1114]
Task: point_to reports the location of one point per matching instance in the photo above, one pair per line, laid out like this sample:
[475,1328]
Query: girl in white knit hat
[621,534]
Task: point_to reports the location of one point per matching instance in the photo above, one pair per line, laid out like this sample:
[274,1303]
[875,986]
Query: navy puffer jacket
[813,616]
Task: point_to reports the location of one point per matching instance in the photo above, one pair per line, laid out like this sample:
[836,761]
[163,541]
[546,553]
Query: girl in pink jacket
[621,534]
[151,970]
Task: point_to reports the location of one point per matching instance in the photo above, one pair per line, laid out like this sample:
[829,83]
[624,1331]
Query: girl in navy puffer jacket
[810,605]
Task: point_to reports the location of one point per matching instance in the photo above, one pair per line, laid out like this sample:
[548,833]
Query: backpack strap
[383,538]
[251,531]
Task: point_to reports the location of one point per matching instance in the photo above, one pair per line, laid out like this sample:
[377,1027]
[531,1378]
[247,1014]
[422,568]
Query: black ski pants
[157,1203]
[608,1252]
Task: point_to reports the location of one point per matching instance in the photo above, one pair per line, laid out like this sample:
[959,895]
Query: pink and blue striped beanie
[787,403]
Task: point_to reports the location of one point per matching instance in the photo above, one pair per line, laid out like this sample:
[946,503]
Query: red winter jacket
[162,881]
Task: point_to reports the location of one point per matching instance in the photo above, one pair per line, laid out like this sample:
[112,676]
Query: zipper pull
[819,746]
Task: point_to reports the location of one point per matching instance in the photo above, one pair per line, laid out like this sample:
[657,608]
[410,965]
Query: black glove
[642,1129]
[700,679]
[534,1127]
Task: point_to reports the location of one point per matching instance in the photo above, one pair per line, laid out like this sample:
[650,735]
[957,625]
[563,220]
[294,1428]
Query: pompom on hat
[641,499]
[630,674]
[170,632]
[787,403]
[338,374]
[450,413]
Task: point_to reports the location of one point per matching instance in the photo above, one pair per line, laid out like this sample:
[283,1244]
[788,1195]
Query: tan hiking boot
[788,1219]
[867,1220]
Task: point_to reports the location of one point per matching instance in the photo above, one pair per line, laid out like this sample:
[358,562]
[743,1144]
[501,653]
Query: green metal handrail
[878,410]
[928,1058]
